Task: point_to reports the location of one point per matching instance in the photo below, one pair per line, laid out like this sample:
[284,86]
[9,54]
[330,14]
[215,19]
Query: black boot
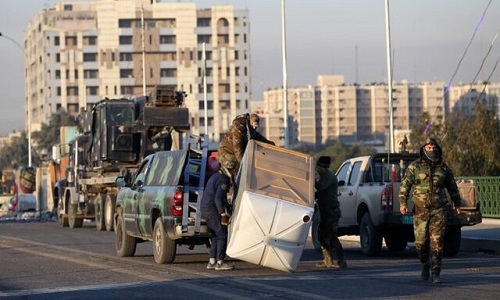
[425,272]
[436,267]
[435,278]
[423,256]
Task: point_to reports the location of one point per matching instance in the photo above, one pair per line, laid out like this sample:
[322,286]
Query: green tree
[470,143]
[339,152]
[15,154]
[425,127]
[50,134]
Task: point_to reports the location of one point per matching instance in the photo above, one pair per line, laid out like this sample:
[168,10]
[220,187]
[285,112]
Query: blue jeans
[218,232]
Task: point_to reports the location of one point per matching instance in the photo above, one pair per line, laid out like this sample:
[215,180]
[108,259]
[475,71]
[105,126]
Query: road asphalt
[483,237]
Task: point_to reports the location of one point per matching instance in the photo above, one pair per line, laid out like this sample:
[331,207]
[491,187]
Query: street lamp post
[28,99]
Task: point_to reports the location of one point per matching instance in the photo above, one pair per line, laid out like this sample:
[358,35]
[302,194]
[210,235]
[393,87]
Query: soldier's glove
[224,220]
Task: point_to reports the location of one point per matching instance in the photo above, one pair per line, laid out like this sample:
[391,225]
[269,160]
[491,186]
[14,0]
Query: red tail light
[386,199]
[177,205]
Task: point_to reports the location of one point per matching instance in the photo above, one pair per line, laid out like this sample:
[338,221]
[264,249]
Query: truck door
[131,210]
[347,176]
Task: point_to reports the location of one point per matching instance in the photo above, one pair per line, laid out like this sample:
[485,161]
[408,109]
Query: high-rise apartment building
[463,97]
[80,52]
[336,111]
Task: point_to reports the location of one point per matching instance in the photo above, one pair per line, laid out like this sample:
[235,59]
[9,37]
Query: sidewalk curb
[480,245]
[491,221]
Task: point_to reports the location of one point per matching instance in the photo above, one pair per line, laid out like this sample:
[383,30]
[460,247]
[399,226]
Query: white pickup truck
[368,195]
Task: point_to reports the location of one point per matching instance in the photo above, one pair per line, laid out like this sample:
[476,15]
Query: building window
[73,108]
[89,40]
[58,74]
[222,23]
[210,104]
[58,91]
[92,90]
[89,57]
[223,39]
[126,40]
[167,39]
[208,55]
[208,72]
[56,41]
[72,91]
[127,90]
[88,74]
[126,73]
[225,88]
[204,38]
[71,41]
[168,73]
[68,7]
[125,56]
[203,22]
[122,23]
[169,56]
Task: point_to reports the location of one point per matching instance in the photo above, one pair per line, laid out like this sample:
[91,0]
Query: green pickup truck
[159,203]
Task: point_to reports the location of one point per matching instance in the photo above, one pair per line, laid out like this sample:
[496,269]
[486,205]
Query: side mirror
[120,181]
[139,184]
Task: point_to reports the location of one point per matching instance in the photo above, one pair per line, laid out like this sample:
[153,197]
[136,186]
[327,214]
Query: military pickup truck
[159,202]
[368,195]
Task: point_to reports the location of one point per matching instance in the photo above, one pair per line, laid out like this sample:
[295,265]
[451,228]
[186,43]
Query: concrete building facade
[360,113]
[78,53]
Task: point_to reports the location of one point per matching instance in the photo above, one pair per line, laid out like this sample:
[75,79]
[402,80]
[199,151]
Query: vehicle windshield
[120,115]
[383,171]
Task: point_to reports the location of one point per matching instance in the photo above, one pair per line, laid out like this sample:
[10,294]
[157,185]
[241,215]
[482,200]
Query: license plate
[407,219]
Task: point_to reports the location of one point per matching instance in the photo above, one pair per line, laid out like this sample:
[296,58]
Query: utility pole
[285,76]
[389,77]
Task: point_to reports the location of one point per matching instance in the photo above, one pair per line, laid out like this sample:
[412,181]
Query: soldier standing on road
[329,214]
[213,210]
[429,176]
[234,143]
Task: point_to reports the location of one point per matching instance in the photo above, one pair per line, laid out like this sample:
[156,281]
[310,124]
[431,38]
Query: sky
[345,37]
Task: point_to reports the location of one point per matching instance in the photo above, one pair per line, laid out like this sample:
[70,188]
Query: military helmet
[254,120]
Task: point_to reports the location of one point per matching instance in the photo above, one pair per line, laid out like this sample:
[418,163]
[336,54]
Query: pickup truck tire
[109,211]
[163,247]
[370,237]
[395,241]
[99,211]
[124,243]
[452,240]
[73,220]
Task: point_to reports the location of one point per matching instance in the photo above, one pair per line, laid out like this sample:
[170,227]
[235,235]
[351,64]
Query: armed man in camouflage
[329,214]
[234,143]
[429,176]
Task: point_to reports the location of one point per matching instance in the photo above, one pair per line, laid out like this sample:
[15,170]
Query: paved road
[484,237]
[44,261]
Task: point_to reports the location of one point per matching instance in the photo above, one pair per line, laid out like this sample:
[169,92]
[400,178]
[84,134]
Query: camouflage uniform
[429,179]
[329,215]
[234,143]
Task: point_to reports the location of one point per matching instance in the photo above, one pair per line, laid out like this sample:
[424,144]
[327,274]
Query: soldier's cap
[431,141]
[254,119]
[324,161]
